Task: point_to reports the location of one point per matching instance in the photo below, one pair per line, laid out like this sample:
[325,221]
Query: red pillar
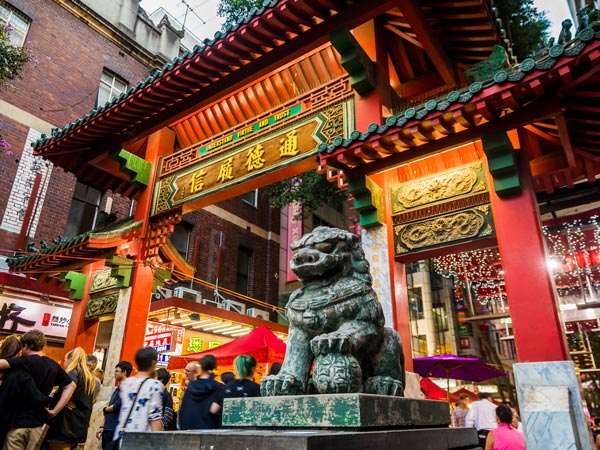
[82,333]
[536,321]
[160,143]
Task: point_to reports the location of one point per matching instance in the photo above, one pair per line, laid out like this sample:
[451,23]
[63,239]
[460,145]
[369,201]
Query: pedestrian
[16,388]
[92,364]
[460,412]
[192,370]
[482,416]
[141,401]
[69,427]
[245,366]
[504,436]
[200,408]
[111,411]
[226,377]
[275,368]
[29,427]
[168,415]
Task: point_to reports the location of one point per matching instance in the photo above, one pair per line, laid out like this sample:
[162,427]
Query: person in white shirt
[146,391]
[482,416]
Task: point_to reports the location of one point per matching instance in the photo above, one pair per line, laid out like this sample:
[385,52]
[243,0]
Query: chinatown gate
[437,160]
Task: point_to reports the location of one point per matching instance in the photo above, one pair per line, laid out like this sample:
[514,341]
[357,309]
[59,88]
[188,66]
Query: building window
[110,86]
[251,198]
[18,21]
[319,222]
[84,210]
[181,238]
[243,270]
[415,303]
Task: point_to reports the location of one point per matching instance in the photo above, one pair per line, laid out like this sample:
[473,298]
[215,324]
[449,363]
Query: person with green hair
[244,386]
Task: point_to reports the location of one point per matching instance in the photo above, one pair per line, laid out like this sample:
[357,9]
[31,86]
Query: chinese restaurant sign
[217,170]
[19,316]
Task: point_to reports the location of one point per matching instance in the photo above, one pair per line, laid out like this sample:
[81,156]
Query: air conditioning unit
[258,313]
[231,305]
[187,294]
[214,303]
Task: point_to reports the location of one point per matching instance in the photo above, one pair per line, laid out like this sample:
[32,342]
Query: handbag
[116,443]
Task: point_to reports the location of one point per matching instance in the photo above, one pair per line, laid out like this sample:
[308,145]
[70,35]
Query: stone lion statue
[336,322]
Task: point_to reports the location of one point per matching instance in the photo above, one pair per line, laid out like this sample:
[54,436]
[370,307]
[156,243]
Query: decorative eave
[511,99]
[179,268]
[278,31]
[77,251]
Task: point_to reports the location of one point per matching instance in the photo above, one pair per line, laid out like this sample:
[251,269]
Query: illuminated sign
[19,316]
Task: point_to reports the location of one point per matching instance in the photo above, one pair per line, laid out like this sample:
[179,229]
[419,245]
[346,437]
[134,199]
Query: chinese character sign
[214,173]
[20,316]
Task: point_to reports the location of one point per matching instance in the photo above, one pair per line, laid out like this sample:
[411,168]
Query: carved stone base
[340,411]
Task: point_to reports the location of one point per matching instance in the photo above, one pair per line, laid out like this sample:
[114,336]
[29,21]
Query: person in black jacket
[111,411]
[168,414]
[200,403]
[16,388]
[245,366]
[30,424]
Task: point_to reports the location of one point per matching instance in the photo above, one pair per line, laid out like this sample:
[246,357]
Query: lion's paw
[330,343]
[383,385]
[281,384]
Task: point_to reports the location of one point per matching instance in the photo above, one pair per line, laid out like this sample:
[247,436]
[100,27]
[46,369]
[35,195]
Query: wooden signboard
[289,145]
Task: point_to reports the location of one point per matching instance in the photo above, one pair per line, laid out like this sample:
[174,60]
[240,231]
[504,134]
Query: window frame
[112,91]
[14,12]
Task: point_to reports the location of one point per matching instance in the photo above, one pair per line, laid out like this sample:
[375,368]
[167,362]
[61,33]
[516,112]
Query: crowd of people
[498,426]
[46,406]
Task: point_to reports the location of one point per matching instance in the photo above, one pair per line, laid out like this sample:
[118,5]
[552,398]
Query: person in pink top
[505,437]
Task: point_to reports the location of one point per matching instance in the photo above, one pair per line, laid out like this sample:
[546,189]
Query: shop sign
[465,343]
[160,341]
[164,337]
[20,316]
[163,359]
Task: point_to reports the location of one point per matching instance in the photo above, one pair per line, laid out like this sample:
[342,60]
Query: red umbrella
[455,367]
[260,343]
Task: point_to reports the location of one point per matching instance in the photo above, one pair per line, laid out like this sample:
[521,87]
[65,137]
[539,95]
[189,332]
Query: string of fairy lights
[574,256]
[573,261]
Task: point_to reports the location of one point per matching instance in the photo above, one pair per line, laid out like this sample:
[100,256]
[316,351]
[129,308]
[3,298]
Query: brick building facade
[78,46]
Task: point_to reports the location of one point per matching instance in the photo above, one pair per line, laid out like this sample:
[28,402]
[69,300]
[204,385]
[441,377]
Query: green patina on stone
[335,411]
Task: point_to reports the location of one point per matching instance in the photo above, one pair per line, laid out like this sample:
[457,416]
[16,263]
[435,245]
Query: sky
[200,16]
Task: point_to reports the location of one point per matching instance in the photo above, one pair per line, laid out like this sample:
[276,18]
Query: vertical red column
[160,143]
[535,317]
[82,333]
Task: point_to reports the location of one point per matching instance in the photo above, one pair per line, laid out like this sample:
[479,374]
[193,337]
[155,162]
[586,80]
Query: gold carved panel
[443,230]
[462,181]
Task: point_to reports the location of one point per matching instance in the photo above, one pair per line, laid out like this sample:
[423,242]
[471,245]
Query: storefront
[30,305]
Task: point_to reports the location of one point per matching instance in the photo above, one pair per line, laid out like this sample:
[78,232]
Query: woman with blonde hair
[69,427]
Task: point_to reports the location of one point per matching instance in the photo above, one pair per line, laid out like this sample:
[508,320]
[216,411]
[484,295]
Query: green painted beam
[501,162]
[355,60]
[122,269]
[75,283]
[368,198]
[134,166]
